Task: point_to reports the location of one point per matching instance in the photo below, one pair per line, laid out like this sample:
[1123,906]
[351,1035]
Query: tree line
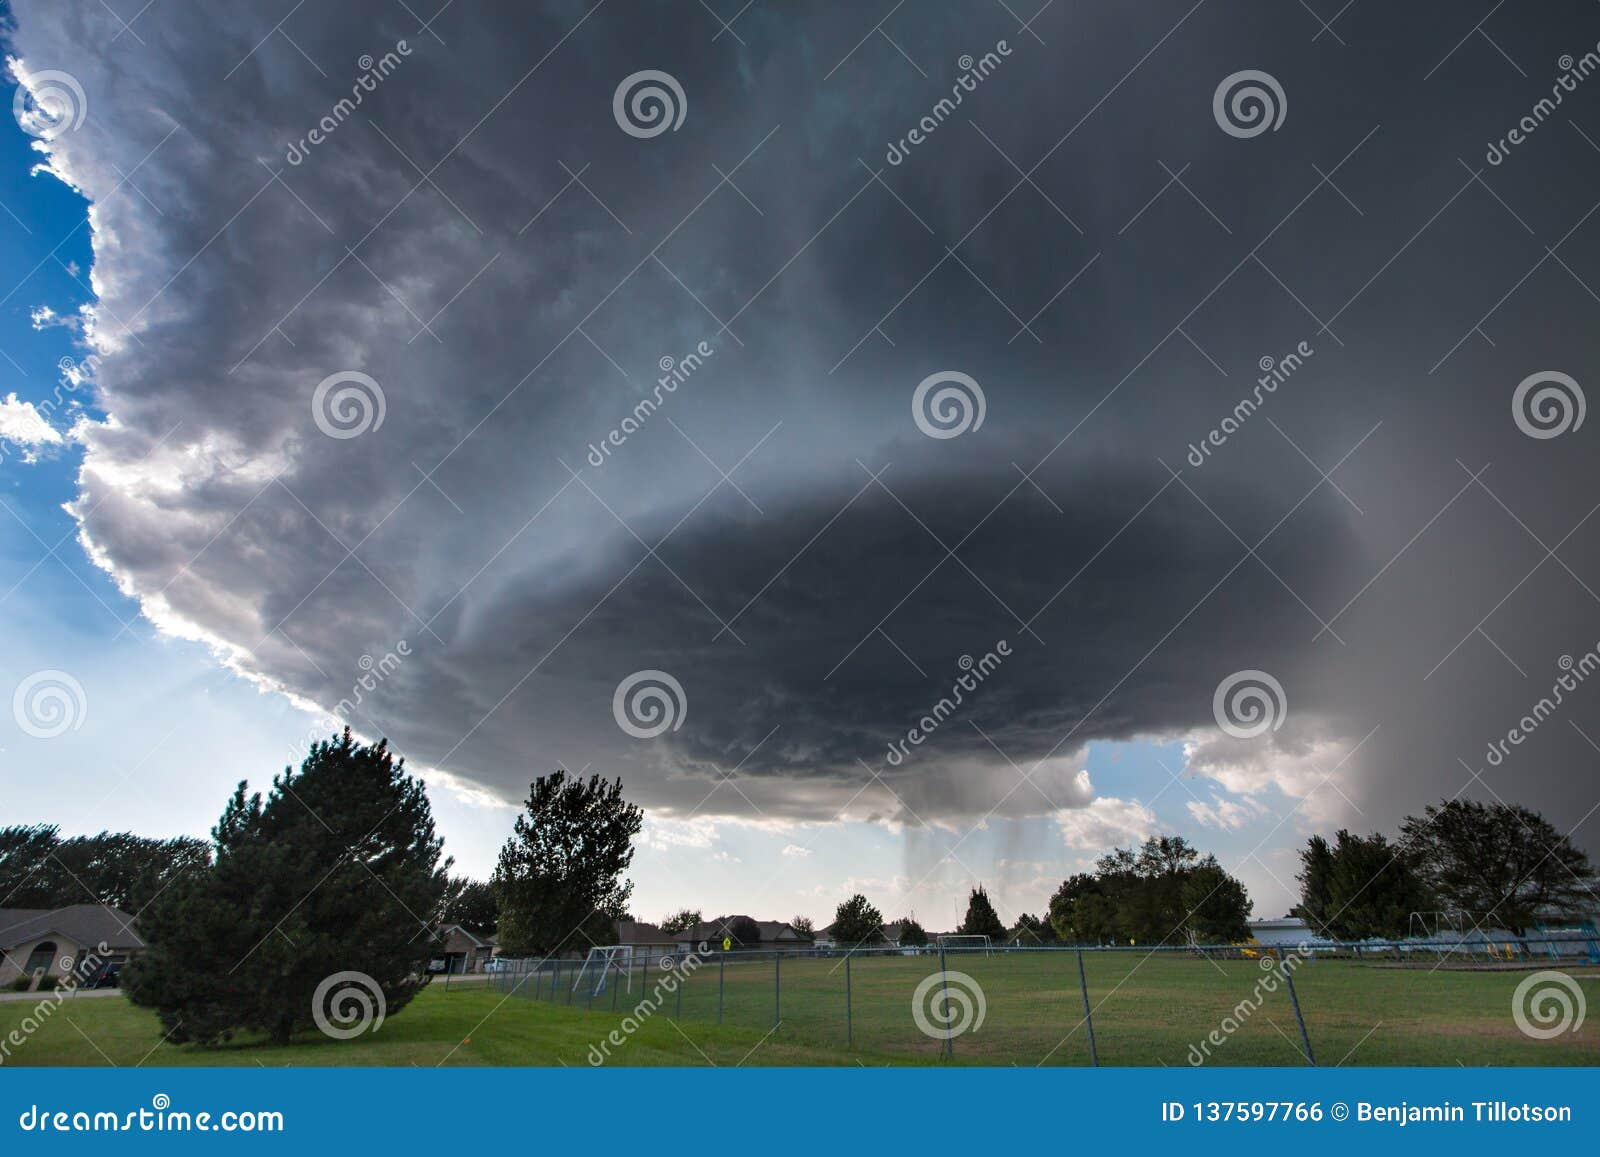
[338,868]
[39,869]
[1494,865]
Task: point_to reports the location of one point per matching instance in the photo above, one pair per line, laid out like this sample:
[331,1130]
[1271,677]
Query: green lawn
[1148,1012]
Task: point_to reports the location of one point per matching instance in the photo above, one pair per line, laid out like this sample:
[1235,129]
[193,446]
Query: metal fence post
[722,969]
[944,996]
[849,1014]
[1088,1014]
[1295,1000]
[615,986]
[777,990]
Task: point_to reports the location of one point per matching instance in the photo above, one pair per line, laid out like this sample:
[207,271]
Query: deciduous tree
[1499,863]
[857,922]
[681,921]
[559,880]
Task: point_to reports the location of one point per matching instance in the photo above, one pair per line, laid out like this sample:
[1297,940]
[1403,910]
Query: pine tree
[982,919]
[1359,887]
[336,870]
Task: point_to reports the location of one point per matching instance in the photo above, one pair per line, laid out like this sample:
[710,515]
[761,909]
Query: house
[775,936]
[465,950]
[57,941]
[890,938]
[647,941]
[1289,932]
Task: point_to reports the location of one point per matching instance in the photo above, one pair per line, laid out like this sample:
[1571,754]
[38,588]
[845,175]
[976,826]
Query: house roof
[772,931]
[890,931]
[642,932]
[83,924]
[477,941]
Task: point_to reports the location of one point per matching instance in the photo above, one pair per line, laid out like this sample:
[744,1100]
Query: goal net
[964,940]
[608,965]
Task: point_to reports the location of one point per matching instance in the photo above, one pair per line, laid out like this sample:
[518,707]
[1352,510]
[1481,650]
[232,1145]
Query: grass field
[1148,1012]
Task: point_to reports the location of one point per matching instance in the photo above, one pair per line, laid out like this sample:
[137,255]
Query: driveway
[81,994]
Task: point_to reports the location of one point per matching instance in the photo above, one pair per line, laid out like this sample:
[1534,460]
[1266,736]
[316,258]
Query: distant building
[1289,932]
[889,937]
[646,940]
[465,950]
[57,941]
[776,936]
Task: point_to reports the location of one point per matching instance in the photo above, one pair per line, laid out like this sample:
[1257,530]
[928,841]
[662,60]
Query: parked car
[109,976]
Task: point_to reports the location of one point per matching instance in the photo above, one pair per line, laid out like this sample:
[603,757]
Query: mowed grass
[1146,1012]
[1149,1011]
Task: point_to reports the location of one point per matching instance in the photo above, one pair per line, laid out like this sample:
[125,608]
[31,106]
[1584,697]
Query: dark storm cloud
[1080,237]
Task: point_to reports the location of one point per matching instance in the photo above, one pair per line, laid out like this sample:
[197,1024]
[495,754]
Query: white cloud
[1105,823]
[795,851]
[1306,760]
[1228,814]
[701,832]
[21,424]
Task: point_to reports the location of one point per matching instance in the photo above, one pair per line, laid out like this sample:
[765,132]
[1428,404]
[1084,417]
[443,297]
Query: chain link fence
[1227,1004]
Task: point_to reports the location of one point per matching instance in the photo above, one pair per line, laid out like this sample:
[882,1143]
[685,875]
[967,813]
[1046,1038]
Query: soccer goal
[605,965]
[965,941]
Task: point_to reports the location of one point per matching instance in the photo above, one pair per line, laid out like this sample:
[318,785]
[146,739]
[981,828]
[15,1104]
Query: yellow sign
[727,943]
